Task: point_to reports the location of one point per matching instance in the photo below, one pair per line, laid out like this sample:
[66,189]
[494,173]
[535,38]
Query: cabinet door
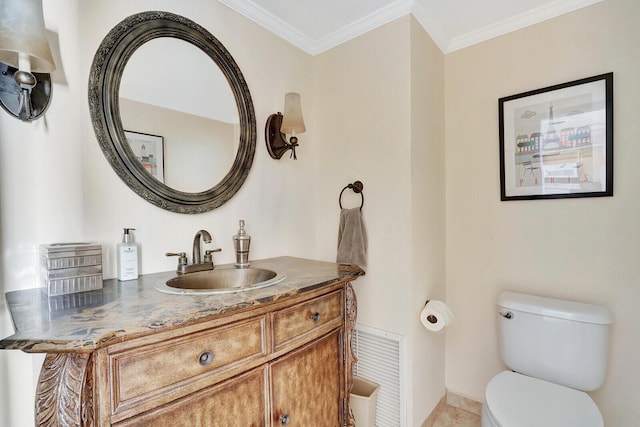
[238,402]
[306,384]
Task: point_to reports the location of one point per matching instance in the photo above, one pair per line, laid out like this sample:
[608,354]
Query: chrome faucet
[198,264]
[200,235]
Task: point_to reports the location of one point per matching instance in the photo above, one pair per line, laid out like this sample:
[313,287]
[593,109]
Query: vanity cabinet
[302,388]
[277,368]
[132,356]
[284,363]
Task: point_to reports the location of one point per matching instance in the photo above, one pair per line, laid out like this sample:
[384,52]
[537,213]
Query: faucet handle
[182,257]
[207,254]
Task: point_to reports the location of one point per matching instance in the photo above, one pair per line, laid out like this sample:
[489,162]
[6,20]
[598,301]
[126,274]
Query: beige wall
[364,102]
[379,100]
[277,221]
[360,102]
[582,249]
[55,184]
[41,188]
[376,111]
[427,358]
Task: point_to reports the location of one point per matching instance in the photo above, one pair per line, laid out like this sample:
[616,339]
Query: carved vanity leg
[64,396]
[351,312]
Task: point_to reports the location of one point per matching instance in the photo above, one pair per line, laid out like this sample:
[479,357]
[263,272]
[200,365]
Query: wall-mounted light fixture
[25,59]
[279,126]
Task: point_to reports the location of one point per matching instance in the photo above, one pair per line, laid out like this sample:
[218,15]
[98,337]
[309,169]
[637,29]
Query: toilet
[556,350]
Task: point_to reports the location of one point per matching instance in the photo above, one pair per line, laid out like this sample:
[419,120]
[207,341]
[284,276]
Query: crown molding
[259,15]
[363,25]
[395,10]
[431,26]
[526,19]
[271,22]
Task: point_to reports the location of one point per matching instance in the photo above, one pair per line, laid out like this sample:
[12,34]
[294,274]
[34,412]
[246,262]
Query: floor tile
[456,417]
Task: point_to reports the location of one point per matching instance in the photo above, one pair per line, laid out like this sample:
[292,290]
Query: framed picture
[557,142]
[149,150]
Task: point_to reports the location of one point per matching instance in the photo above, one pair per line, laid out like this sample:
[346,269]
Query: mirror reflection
[154,102]
[180,117]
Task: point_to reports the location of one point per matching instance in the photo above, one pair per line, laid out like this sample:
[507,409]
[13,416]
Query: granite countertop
[86,321]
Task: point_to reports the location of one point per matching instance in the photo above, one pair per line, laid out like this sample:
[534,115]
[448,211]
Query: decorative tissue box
[67,268]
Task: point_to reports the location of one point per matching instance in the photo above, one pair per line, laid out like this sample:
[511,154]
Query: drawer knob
[206,358]
[315,317]
[284,419]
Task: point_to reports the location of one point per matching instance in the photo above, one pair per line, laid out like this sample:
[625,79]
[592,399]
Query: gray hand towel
[352,238]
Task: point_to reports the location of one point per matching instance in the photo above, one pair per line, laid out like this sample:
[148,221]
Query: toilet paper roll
[436,315]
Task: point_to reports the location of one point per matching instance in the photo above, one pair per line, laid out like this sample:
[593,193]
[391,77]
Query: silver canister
[241,242]
[67,268]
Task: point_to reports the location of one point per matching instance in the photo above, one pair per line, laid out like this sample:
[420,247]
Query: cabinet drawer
[167,368]
[237,402]
[307,318]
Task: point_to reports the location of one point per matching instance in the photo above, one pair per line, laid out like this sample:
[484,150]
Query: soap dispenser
[127,257]
[241,242]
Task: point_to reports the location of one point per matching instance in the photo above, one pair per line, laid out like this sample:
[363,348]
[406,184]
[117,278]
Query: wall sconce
[25,59]
[279,126]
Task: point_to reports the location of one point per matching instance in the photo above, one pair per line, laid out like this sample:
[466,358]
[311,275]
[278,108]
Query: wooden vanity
[128,355]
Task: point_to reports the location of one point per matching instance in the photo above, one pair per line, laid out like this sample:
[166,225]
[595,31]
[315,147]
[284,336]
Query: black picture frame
[149,151]
[557,142]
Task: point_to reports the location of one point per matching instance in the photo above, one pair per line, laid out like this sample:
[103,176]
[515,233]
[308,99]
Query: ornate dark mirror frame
[104,85]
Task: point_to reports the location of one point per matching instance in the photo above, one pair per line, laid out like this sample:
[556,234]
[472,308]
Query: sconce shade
[292,122]
[22,31]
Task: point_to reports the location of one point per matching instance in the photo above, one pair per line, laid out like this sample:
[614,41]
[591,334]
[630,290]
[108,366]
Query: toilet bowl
[556,350]
[516,400]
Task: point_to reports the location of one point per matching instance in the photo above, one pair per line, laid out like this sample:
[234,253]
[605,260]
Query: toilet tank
[560,341]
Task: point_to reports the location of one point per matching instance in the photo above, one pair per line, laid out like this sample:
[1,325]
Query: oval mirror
[172,112]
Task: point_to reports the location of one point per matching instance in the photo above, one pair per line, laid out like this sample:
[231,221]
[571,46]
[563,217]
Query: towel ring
[357,188]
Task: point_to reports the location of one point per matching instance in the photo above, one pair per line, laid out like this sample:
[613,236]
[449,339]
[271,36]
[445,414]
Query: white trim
[395,10]
[273,23]
[431,26]
[363,25]
[531,17]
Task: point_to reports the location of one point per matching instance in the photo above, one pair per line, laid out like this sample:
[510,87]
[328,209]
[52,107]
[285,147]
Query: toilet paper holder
[430,318]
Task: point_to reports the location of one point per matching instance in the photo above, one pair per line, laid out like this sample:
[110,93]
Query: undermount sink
[221,281]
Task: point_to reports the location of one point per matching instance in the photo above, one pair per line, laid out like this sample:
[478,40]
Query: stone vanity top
[86,321]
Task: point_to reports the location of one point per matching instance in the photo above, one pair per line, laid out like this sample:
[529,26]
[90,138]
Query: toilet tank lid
[562,309]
